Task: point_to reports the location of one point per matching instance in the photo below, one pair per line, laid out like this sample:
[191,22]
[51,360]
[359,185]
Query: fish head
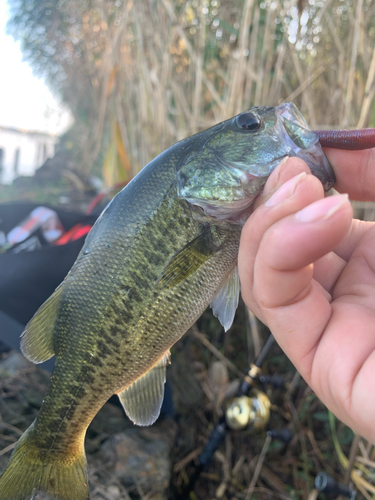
[230,163]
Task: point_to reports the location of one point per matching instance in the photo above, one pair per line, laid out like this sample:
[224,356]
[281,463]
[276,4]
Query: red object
[347,139]
[41,217]
[104,193]
[73,234]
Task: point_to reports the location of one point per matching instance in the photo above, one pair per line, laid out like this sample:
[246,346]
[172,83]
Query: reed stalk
[189,65]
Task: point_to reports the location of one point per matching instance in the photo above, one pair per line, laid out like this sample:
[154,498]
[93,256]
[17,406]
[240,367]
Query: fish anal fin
[225,303]
[143,398]
[188,260]
[37,338]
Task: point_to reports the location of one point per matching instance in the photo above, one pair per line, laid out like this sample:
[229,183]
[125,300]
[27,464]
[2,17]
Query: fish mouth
[304,143]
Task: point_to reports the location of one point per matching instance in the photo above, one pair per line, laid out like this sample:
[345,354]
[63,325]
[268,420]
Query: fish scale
[127,327]
[154,260]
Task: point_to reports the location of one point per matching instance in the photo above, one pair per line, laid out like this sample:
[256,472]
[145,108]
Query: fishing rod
[249,408]
[327,484]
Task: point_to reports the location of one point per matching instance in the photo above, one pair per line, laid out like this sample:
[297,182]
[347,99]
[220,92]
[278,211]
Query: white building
[23,151]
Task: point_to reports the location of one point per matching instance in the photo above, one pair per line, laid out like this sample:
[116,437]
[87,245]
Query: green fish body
[163,250]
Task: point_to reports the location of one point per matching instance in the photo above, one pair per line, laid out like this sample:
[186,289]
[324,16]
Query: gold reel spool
[249,411]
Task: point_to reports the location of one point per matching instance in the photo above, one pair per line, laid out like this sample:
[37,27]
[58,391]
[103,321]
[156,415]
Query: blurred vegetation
[160,70]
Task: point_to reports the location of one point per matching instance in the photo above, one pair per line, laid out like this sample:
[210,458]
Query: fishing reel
[248,411]
[251,407]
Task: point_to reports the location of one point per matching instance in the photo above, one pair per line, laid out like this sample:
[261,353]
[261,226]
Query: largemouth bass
[162,251]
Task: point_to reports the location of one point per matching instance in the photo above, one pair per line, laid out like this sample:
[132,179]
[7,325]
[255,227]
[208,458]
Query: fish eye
[248,121]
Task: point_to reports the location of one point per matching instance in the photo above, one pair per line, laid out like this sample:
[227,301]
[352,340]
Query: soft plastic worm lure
[347,139]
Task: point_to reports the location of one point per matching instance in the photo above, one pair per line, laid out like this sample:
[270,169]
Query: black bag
[28,278]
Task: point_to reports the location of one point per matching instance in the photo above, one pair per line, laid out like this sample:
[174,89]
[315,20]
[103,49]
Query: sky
[25,101]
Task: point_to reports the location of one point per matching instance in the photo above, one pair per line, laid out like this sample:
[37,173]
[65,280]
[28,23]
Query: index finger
[355,172]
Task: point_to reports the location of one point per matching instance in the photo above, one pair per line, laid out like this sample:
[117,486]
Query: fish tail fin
[27,473]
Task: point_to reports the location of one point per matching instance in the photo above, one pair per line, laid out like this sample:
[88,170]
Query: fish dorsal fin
[225,303]
[37,338]
[143,398]
[188,260]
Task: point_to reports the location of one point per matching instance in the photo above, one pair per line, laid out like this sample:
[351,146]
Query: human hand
[307,270]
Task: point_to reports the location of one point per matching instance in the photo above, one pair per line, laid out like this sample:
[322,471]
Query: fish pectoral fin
[225,303]
[37,338]
[188,260]
[143,398]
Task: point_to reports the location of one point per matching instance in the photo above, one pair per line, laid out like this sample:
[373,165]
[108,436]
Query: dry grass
[160,70]
[175,68]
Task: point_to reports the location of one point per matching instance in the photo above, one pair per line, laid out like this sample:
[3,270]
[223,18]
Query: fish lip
[289,111]
[313,155]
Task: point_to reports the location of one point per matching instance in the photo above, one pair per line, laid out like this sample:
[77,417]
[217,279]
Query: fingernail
[275,179]
[322,209]
[286,190]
